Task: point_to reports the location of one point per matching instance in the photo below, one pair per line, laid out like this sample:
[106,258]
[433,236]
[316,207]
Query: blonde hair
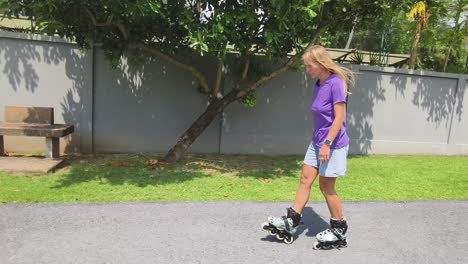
[319,54]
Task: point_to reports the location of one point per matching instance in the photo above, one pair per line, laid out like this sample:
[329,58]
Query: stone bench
[34,122]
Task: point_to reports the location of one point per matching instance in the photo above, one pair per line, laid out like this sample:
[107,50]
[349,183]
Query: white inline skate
[333,237]
[284,227]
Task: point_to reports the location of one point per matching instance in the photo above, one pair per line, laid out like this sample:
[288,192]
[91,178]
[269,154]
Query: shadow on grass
[119,169]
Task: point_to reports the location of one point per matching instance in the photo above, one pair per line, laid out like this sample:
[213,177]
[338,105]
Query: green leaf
[220,27]
[155,6]
[250,100]
[314,3]
[311,13]
[42,26]
[204,47]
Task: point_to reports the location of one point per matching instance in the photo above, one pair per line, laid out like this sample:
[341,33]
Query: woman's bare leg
[327,186]
[308,176]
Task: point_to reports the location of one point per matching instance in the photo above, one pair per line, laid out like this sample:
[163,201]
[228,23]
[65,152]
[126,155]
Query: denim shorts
[334,167]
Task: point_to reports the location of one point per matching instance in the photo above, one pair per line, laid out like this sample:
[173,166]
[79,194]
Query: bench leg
[2,148]
[52,148]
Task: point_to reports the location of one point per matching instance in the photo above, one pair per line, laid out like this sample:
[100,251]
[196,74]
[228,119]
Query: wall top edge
[35,37]
[408,72]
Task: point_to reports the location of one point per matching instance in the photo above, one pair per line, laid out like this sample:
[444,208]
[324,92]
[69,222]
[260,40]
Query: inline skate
[333,237]
[283,227]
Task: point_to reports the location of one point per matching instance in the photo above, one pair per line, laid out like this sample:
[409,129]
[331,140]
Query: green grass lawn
[106,178]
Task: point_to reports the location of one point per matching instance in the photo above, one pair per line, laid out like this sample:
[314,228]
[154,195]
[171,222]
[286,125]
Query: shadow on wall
[138,74]
[459,99]
[74,110]
[145,106]
[435,96]
[364,96]
[21,61]
[18,64]
[60,72]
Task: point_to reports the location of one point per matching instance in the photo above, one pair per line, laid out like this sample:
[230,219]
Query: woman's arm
[339,109]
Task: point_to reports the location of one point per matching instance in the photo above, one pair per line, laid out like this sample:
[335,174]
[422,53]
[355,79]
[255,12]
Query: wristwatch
[327,142]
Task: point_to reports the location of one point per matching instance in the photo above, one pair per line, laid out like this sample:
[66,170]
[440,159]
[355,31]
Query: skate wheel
[320,245]
[288,240]
[341,244]
[264,226]
[345,243]
[280,236]
[316,245]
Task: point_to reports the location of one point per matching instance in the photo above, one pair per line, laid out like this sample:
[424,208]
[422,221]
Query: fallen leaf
[8,153]
[120,164]
[156,163]
[151,162]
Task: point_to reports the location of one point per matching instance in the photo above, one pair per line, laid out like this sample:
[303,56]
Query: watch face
[327,142]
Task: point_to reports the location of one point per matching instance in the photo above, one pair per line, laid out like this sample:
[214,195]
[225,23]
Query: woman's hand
[324,154]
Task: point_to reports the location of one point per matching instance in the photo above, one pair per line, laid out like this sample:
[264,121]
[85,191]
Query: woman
[327,153]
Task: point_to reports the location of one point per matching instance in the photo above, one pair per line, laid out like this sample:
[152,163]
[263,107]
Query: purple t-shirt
[326,94]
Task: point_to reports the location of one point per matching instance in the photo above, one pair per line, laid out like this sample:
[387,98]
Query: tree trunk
[414,48]
[197,127]
[447,57]
[351,34]
[459,9]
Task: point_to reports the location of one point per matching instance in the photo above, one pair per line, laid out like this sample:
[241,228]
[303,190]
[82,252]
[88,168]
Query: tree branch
[246,68]
[219,76]
[320,28]
[117,24]
[94,20]
[122,29]
[197,74]
[282,69]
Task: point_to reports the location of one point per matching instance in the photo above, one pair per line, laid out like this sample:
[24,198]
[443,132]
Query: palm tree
[420,14]
[458,7]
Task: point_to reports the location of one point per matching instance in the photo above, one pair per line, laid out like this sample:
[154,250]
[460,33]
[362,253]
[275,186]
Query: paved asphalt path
[229,232]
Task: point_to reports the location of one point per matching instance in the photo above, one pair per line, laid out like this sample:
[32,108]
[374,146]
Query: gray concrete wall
[391,111]
[394,111]
[279,124]
[147,109]
[459,119]
[49,72]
